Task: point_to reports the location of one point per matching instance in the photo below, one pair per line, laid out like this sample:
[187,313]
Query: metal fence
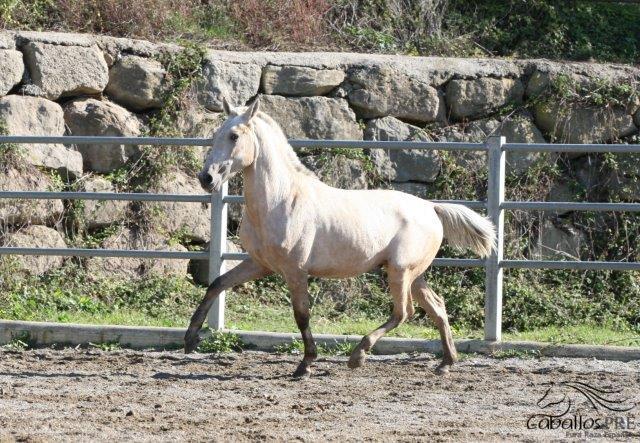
[495,205]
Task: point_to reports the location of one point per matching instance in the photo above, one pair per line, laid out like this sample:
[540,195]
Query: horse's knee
[401,315]
[214,288]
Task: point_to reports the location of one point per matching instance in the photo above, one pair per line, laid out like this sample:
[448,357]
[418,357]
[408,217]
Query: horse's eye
[233,136]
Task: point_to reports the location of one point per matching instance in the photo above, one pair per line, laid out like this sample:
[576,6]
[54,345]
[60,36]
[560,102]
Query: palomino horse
[296,226]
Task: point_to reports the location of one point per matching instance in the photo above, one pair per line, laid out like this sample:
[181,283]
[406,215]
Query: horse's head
[233,147]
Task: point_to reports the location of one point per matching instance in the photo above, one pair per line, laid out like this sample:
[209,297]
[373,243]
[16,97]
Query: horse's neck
[268,182]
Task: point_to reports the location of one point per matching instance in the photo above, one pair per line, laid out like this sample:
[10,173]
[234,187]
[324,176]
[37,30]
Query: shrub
[271,22]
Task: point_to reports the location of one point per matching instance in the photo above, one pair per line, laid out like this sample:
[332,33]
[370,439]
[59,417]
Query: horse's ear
[225,106]
[252,110]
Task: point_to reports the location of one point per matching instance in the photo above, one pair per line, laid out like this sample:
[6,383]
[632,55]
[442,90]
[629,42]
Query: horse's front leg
[246,271]
[298,287]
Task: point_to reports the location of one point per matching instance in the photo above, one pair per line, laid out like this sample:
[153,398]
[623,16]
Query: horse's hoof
[191,342]
[303,371]
[356,360]
[443,369]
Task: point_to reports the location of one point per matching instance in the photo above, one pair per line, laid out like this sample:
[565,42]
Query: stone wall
[69,84]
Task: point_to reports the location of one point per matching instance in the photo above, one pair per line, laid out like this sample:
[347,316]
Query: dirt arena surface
[83,395]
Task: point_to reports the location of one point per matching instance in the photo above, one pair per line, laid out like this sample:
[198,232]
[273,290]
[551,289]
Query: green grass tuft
[221,343]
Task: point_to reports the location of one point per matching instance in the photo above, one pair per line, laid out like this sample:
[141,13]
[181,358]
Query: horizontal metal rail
[89,140]
[296,143]
[473,204]
[392,145]
[128,196]
[128,253]
[236,199]
[576,265]
[459,262]
[570,206]
[570,147]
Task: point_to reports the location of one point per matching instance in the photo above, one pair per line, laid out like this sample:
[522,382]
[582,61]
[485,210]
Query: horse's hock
[55,84]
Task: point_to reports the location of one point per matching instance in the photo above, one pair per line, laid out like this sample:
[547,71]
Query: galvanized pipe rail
[217,255]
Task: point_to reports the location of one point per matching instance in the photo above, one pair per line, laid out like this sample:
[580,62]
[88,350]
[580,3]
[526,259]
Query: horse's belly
[344,258]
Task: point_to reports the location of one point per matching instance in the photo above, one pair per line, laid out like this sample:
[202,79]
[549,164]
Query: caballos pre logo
[578,406]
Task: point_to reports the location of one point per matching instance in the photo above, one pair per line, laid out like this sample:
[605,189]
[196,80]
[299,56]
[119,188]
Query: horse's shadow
[191,376]
[222,377]
[30,374]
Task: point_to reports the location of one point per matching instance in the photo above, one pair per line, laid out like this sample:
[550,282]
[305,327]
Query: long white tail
[464,228]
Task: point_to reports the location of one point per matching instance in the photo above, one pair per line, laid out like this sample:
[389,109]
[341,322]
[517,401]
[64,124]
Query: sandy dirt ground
[91,395]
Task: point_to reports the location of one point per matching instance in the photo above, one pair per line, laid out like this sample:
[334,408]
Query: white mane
[276,138]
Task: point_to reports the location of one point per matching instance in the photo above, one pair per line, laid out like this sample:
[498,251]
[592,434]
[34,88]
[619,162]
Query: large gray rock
[115,47]
[519,129]
[636,118]
[24,115]
[89,116]
[100,214]
[137,83]
[402,165]
[579,124]
[312,117]
[199,124]
[576,75]
[559,242]
[188,220]
[562,191]
[133,268]
[193,122]
[63,71]
[469,132]
[418,189]
[432,70]
[7,40]
[522,130]
[54,38]
[469,99]
[300,80]
[35,236]
[21,212]
[163,266]
[392,129]
[540,82]
[118,267]
[238,82]
[380,91]
[338,171]
[11,70]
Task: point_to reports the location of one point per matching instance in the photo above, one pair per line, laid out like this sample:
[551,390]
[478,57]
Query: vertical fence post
[493,282]
[217,247]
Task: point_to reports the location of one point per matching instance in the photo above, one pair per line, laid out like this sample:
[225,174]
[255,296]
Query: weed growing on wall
[184,68]
[11,154]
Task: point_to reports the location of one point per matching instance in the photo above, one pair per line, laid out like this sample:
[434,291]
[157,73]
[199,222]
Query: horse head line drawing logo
[599,399]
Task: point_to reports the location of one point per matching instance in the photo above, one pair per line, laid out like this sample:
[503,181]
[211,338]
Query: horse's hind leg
[433,304]
[244,272]
[399,284]
[298,287]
